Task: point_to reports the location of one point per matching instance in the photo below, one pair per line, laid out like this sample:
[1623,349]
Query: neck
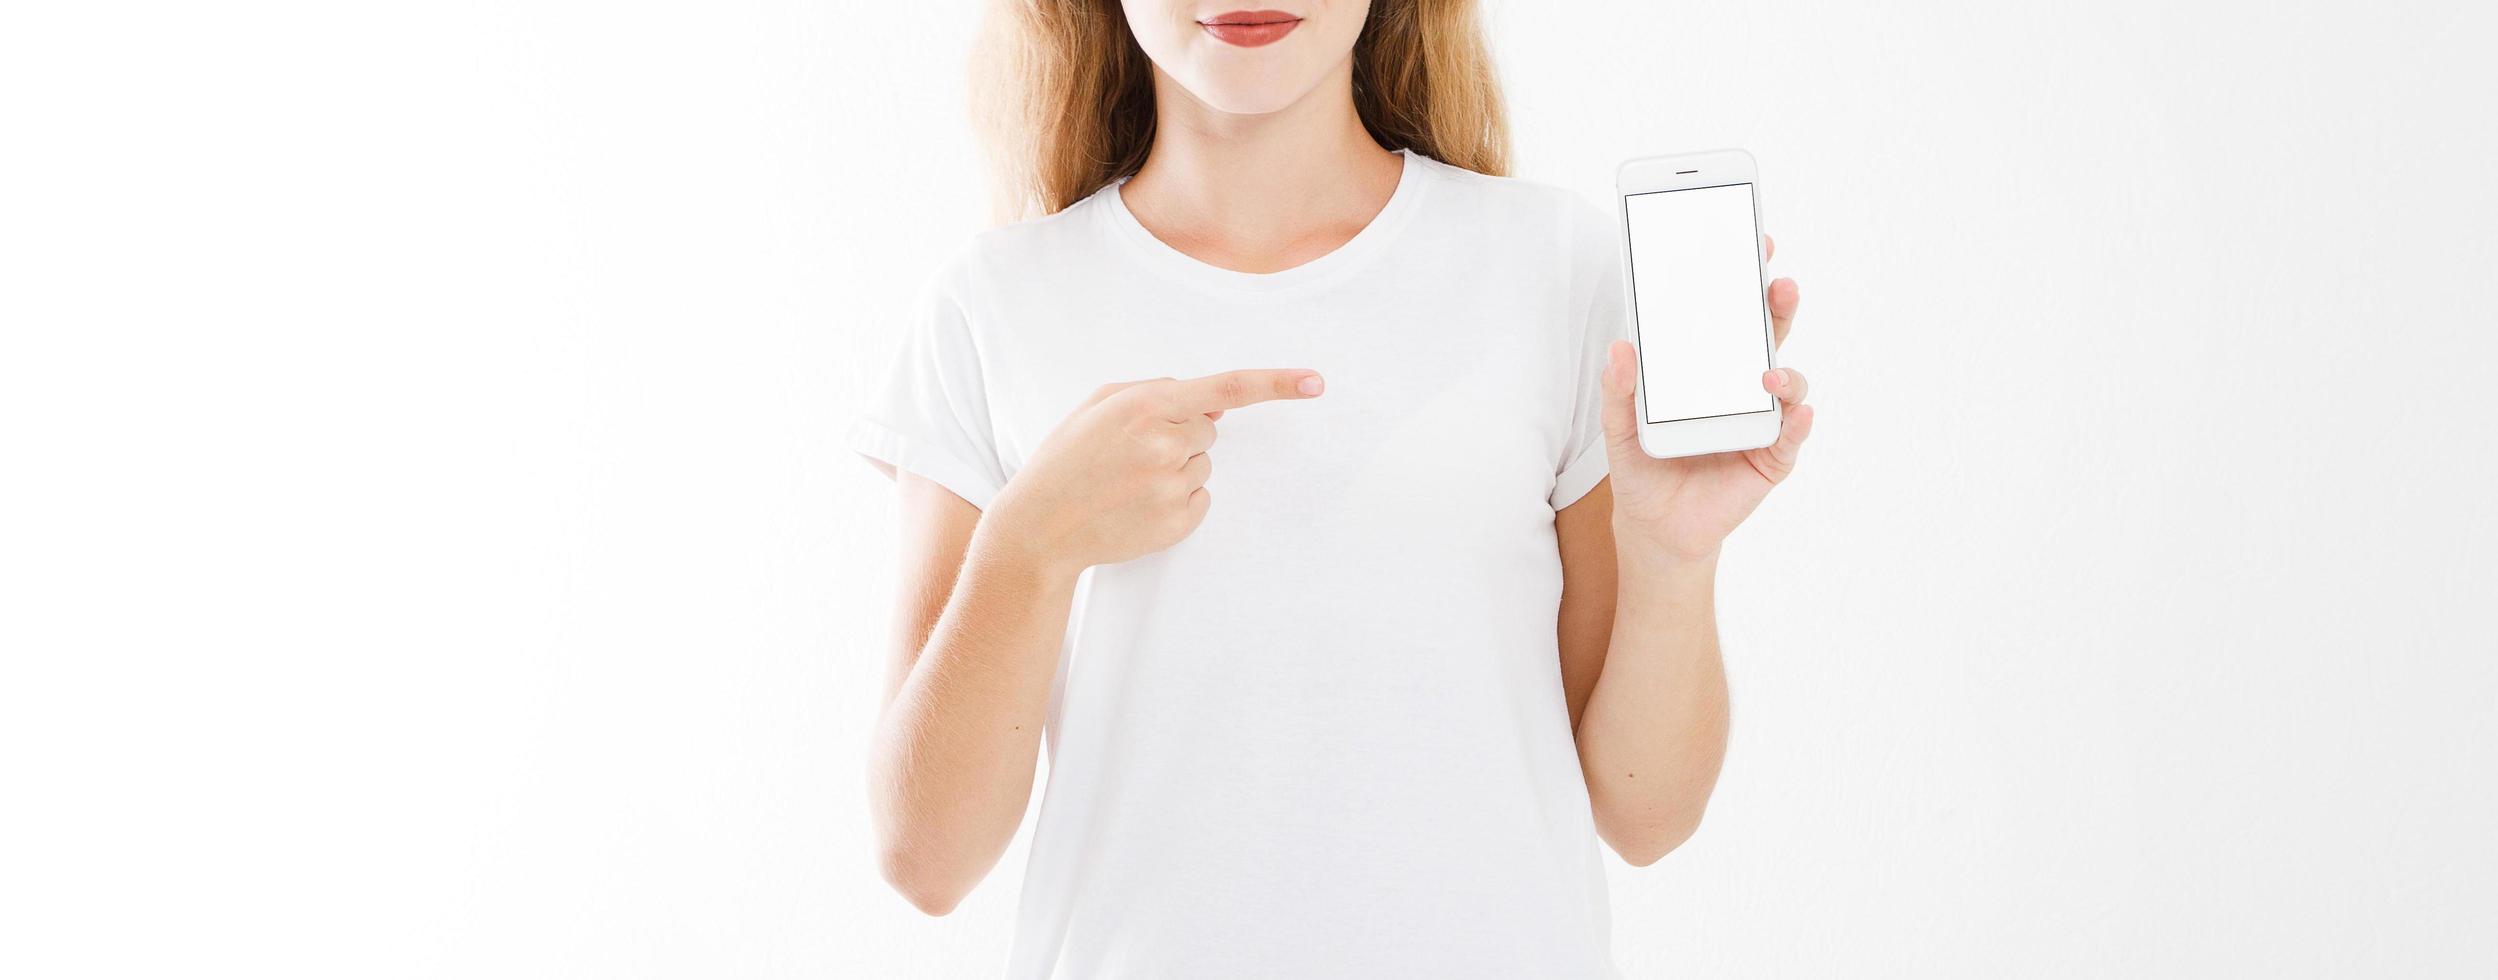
[1260,190]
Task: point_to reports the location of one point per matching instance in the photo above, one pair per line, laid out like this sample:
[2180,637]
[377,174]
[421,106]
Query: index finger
[1233,389]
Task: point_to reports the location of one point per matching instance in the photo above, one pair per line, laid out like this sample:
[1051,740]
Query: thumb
[1621,417]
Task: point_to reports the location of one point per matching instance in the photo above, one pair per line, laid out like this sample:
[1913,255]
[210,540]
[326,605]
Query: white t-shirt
[1324,735]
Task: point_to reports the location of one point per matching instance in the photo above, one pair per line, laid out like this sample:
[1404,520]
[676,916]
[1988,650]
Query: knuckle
[1142,411]
[1164,405]
[1149,440]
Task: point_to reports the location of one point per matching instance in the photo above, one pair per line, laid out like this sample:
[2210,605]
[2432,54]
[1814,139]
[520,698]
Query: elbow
[930,893]
[1651,840]
[909,855]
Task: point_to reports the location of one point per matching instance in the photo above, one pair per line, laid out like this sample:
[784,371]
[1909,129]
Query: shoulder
[1533,224]
[1517,204]
[1025,250]
[1530,215]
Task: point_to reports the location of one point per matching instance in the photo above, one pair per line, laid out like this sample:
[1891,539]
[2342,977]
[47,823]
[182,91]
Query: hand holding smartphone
[1693,267]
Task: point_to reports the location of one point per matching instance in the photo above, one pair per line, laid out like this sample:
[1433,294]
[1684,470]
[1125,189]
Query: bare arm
[977,628]
[1638,627]
[982,605]
[1647,688]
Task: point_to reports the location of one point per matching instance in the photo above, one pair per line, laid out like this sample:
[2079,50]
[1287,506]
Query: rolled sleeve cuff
[878,441]
[1580,476]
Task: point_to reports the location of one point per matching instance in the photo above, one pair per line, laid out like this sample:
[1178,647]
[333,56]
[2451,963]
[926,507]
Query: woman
[1361,701]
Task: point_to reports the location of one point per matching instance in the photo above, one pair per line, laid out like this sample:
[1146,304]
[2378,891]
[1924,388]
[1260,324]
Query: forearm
[955,748]
[1654,732]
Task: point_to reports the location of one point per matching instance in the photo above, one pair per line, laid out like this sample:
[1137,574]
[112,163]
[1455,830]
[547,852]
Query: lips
[1250,28]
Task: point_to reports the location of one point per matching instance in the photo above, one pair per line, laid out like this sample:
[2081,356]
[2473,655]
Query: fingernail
[1312,385]
[1778,377]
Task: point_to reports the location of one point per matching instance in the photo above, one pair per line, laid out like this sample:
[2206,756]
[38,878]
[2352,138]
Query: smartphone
[1693,268]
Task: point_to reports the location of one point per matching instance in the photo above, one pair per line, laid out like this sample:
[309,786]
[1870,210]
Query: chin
[1252,78]
[1246,96]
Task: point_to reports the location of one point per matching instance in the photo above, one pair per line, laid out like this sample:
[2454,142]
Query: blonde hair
[1064,97]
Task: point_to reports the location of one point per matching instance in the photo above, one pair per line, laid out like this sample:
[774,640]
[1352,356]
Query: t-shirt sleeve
[929,412]
[1600,317]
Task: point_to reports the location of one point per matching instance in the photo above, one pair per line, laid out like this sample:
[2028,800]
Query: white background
[429,553]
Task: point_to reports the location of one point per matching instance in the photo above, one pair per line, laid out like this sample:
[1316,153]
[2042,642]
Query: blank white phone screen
[1696,302]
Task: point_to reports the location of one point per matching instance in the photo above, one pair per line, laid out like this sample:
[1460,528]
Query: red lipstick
[1250,28]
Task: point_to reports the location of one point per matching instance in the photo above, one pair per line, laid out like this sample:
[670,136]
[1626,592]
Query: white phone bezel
[1689,171]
